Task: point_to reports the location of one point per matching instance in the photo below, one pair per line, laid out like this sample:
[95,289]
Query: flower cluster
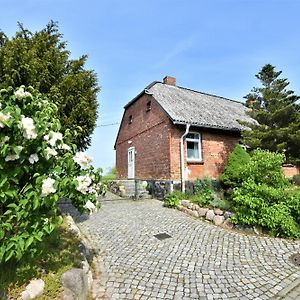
[47,187]
[20,93]
[29,131]
[84,183]
[53,137]
[82,160]
[3,119]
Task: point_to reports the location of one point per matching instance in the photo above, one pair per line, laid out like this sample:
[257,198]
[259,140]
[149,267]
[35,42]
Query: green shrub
[235,165]
[172,199]
[220,203]
[266,198]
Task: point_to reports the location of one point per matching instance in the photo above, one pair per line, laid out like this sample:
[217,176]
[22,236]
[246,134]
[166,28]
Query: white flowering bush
[38,166]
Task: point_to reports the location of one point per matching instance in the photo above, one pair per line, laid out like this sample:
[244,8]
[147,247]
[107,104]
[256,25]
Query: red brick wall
[149,134]
[216,147]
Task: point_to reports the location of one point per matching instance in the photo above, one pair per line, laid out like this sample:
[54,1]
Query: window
[193,146]
[148,106]
[130,119]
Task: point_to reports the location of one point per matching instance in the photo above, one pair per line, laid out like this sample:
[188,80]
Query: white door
[131,162]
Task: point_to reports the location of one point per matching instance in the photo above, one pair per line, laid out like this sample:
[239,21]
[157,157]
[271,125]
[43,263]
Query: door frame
[131,172]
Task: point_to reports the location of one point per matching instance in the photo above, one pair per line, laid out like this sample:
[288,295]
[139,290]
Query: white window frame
[196,140]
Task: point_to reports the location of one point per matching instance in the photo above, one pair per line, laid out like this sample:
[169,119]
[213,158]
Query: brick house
[171,133]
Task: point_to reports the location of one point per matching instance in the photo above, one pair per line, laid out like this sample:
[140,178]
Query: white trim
[131,163]
[195,140]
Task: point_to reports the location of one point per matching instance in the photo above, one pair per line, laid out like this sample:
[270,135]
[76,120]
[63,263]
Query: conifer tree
[277,113]
[41,59]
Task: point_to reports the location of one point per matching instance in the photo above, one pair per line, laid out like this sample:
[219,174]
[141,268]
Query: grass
[57,254]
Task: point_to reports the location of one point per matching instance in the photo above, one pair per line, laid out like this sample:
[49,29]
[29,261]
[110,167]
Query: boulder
[227,224]
[218,220]
[228,214]
[194,213]
[185,203]
[34,289]
[75,284]
[202,211]
[195,207]
[210,215]
[218,211]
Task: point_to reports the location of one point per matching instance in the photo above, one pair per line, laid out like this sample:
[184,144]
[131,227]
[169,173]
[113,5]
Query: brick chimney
[169,80]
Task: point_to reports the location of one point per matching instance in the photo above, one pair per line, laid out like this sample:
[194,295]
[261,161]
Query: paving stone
[198,261]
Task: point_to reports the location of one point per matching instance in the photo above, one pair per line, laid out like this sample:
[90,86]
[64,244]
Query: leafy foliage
[276,110]
[237,160]
[41,60]
[172,199]
[205,191]
[296,179]
[57,254]
[37,168]
[265,197]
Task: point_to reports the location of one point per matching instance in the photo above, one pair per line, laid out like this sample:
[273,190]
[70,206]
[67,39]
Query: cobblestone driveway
[199,261]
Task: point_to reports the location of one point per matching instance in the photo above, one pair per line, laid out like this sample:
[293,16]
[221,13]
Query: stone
[227,224]
[195,207]
[202,211]
[228,214]
[218,211]
[75,284]
[258,230]
[194,213]
[73,229]
[180,207]
[210,215]
[34,289]
[185,203]
[218,220]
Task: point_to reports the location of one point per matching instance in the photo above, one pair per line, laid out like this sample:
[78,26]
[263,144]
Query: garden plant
[38,166]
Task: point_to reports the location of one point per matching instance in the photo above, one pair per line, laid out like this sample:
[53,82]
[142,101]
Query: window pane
[192,150]
[192,136]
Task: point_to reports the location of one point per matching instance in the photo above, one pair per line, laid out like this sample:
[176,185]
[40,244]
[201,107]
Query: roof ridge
[198,92]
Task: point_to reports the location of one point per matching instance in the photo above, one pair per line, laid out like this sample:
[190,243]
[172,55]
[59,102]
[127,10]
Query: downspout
[182,157]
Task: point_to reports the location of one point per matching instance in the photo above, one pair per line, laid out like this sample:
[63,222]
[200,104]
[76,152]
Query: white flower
[55,136]
[84,183]
[11,157]
[47,187]
[20,93]
[29,131]
[46,220]
[50,152]
[64,147]
[3,118]
[82,159]
[33,158]
[90,206]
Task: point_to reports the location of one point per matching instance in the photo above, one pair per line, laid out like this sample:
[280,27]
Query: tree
[41,60]
[276,111]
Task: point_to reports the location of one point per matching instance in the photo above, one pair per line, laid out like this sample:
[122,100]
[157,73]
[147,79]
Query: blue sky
[214,46]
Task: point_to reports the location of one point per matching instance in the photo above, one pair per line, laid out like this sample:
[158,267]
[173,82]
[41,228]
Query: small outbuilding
[177,134]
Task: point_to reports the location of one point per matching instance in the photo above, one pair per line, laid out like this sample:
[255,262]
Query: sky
[213,46]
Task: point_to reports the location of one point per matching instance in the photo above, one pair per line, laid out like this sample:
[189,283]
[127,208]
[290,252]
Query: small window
[193,146]
[148,106]
[130,119]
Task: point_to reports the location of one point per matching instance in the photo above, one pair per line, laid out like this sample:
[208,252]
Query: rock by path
[198,261]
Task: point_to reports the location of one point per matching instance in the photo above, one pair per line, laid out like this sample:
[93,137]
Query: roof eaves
[203,125]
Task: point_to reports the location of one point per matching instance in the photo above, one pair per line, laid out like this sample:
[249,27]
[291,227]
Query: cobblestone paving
[199,261]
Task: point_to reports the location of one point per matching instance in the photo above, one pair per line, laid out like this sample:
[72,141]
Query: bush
[237,160]
[265,197]
[38,166]
[172,199]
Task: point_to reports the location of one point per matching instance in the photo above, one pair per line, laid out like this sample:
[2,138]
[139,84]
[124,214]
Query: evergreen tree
[276,110]
[41,60]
